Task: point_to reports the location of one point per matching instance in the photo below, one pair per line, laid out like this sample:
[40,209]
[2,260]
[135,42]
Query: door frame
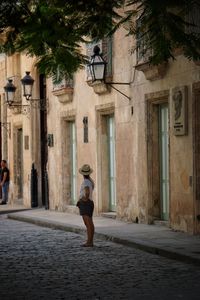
[102,205]
[153,101]
[65,161]
[196,156]
[70,124]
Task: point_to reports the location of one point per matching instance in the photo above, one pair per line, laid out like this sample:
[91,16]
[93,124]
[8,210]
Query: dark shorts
[86,207]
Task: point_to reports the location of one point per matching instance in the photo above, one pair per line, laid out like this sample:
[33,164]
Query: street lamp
[10,92]
[10,89]
[27,83]
[97,69]
[97,65]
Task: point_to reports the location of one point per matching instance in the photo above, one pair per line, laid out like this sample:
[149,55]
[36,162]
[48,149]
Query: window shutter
[107,54]
[143,54]
[194,19]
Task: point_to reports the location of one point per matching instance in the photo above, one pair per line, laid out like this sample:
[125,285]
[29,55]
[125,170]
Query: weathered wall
[136,168]
[131,139]
[180,73]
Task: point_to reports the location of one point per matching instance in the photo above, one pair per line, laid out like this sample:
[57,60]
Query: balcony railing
[65,83]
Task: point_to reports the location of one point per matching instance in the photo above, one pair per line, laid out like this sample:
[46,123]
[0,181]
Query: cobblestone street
[40,263]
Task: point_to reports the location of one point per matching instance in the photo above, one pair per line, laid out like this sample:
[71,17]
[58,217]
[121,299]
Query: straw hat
[85,170]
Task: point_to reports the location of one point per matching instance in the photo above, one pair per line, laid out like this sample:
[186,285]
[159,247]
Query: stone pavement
[39,263]
[151,238]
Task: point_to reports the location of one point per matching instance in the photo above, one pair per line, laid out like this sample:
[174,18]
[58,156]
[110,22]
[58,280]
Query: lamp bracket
[111,84]
[19,108]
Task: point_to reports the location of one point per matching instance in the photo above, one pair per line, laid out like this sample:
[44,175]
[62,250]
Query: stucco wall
[135,195]
[131,138]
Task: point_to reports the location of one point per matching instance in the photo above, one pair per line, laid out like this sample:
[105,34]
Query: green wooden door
[164,161]
[111,161]
[73,161]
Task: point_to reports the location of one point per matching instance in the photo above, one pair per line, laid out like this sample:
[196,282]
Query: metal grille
[64,83]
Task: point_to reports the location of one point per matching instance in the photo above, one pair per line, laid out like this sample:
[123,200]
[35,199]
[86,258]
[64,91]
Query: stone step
[161,223]
[110,214]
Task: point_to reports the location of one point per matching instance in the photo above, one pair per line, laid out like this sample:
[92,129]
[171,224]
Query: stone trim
[152,72]
[107,108]
[157,96]
[153,100]
[68,115]
[65,118]
[102,159]
[64,95]
[99,87]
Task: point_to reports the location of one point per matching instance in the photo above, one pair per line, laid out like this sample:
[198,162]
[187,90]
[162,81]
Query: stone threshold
[109,214]
[161,223]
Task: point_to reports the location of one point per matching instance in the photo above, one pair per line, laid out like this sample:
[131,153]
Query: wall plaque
[179,110]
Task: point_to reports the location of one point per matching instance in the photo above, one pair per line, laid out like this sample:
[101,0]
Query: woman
[85,203]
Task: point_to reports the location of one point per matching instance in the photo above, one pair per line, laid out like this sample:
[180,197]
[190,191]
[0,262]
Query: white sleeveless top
[86,182]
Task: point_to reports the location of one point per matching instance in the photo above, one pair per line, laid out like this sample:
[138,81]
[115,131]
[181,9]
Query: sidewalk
[8,208]
[151,238]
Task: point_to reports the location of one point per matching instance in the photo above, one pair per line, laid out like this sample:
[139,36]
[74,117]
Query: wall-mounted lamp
[27,83]
[10,89]
[97,69]
[10,92]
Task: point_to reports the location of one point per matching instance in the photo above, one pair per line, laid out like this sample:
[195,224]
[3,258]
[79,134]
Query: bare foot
[87,245]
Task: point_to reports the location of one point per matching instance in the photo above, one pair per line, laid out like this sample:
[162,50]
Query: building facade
[143,146]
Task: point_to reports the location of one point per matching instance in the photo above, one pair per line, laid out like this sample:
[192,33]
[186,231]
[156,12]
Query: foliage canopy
[53,30]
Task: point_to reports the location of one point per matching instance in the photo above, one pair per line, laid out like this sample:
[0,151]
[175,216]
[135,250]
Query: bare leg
[90,229]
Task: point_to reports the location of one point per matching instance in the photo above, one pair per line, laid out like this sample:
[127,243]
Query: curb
[76,229]
[14,210]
